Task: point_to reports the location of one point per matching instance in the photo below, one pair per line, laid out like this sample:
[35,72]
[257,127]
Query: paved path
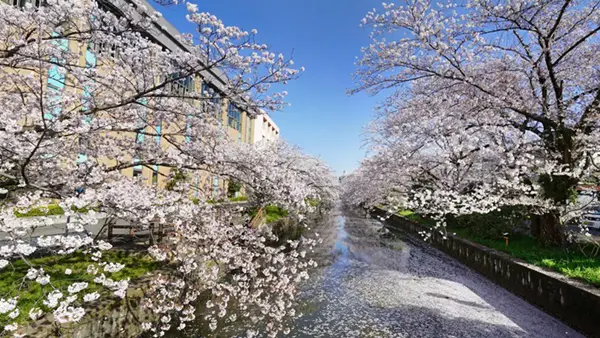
[56,225]
[399,287]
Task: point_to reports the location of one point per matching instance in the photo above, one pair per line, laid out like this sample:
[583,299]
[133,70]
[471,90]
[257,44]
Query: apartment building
[238,123]
[265,129]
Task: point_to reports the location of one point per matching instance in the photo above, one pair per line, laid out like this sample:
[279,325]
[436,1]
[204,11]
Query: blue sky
[325,38]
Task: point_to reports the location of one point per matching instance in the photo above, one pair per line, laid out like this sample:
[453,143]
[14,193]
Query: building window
[105,49]
[155,175]
[56,82]
[22,3]
[179,85]
[234,117]
[139,136]
[206,89]
[158,134]
[137,169]
[215,186]
[188,128]
[249,134]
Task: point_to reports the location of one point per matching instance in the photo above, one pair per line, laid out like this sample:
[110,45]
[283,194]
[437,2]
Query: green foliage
[275,213]
[408,214]
[177,177]
[239,199]
[558,187]
[570,261]
[52,210]
[220,200]
[313,202]
[49,210]
[233,186]
[31,293]
[491,225]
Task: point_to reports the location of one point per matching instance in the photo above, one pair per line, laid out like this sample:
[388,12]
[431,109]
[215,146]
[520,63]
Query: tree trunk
[547,229]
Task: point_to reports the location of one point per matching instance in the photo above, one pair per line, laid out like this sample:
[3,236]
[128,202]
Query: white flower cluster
[474,122]
[39,155]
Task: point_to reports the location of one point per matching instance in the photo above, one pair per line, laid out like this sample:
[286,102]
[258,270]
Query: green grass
[409,214]
[212,201]
[313,202]
[570,262]
[275,213]
[239,199]
[50,210]
[31,294]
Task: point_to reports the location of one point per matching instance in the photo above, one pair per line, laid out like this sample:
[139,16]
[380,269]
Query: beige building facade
[265,129]
[238,123]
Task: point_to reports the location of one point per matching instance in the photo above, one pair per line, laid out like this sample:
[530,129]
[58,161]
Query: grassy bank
[31,293]
[570,261]
[49,210]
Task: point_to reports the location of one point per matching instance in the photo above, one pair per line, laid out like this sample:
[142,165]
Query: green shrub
[239,199]
[49,210]
[275,213]
[233,186]
[313,202]
[177,177]
[52,210]
[491,225]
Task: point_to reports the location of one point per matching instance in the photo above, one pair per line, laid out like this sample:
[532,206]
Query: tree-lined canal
[375,283]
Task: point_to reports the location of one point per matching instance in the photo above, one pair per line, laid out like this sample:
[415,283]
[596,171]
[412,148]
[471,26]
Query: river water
[376,283]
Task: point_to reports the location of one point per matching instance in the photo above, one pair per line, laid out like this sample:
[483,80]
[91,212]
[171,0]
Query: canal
[375,283]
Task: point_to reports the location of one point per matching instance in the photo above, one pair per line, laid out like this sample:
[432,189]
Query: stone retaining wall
[575,303]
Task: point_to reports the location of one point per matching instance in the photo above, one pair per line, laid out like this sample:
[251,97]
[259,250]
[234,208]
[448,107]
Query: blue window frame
[188,128]
[181,86]
[215,186]
[158,134]
[139,137]
[56,82]
[137,169]
[234,117]
[155,175]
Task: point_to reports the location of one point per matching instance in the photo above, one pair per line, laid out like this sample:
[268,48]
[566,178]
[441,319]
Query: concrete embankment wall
[575,303]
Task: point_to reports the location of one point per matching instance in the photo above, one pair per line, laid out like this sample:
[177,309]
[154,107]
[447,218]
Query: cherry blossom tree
[504,95]
[85,95]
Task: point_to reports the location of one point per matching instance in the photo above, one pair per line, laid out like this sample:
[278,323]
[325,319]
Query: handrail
[258,219]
